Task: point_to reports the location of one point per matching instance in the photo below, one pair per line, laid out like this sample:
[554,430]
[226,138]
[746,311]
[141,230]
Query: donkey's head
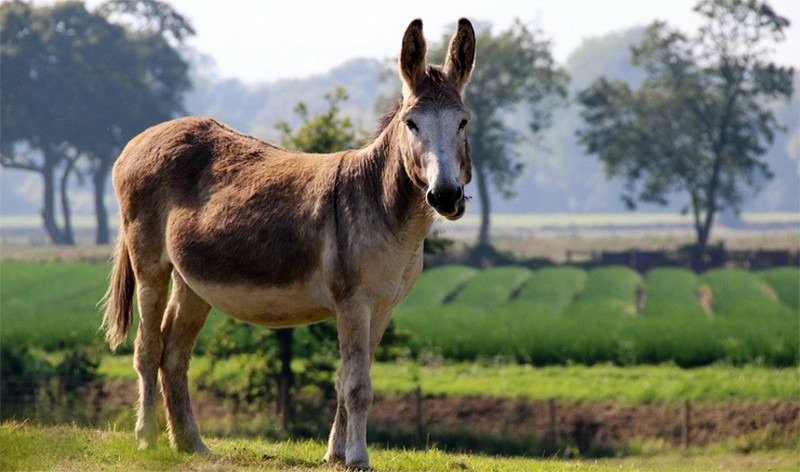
[435,119]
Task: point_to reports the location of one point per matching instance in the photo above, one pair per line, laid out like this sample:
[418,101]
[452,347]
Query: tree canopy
[699,123]
[324,132]
[76,86]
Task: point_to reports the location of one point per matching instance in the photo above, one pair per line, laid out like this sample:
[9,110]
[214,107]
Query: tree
[699,122]
[515,69]
[76,87]
[35,138]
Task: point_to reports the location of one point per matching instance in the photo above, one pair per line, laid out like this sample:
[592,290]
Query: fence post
[552,432]
[418,415]
[686,424]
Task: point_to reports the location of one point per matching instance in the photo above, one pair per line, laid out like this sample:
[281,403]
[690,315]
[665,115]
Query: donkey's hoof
[193,447]
[199,449]
[146,443]
[360,463]
[331,458]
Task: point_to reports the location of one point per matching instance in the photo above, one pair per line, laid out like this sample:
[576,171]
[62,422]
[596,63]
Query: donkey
[281,238]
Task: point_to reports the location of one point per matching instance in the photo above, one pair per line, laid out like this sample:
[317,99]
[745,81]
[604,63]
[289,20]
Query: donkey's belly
[274,307]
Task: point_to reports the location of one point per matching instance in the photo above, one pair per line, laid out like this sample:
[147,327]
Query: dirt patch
[575,423]
[592,423]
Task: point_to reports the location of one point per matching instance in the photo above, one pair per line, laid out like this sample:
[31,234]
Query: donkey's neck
[403,208]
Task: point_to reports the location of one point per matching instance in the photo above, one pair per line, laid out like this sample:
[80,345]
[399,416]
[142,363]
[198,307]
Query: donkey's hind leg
[153,287]
[186,314]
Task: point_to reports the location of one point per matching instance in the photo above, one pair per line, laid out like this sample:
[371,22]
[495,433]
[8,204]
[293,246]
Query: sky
[266,41]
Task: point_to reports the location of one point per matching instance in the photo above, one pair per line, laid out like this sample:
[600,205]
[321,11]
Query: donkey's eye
[412,126]
[462,125]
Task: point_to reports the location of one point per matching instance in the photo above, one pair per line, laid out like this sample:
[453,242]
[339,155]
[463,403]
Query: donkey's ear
[412,57]
[461,55]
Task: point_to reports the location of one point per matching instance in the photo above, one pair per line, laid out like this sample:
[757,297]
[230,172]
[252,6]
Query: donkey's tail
[118,300]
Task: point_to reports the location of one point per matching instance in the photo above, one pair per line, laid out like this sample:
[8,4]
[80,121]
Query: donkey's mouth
[461,208]
[459,213]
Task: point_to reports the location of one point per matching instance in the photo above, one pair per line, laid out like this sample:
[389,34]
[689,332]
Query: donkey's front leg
[354,388]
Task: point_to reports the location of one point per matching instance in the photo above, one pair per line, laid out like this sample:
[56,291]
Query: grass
[70,448]
[51,305]
[627,385]
[25,447]
[605,383]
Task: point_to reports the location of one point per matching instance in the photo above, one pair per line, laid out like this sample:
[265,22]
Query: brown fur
[282,238]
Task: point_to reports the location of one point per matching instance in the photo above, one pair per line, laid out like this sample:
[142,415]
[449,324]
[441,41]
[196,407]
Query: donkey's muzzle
[447,201]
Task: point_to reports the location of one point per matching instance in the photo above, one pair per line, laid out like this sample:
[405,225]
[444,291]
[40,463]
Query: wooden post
[418,416]
[552,428]
[686,424]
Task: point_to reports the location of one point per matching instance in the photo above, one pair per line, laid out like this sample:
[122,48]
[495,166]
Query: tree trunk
[49,197]
[286,378]
[700,249]
[101,214]
[702,227]
[483,196]
[66,210]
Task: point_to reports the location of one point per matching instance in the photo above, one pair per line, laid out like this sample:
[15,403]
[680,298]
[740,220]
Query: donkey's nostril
[459,193]
[445,200]
[430,197]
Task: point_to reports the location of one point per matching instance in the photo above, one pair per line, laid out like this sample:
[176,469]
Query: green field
[26,447]
[609,314]
[558,315]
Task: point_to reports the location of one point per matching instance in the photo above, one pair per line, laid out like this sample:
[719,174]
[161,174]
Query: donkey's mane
[386,119]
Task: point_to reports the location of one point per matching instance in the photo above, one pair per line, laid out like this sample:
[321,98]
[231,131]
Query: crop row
[611,314]
[554,315]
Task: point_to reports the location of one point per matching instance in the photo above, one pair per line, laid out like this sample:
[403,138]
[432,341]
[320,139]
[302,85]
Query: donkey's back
[242,221]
